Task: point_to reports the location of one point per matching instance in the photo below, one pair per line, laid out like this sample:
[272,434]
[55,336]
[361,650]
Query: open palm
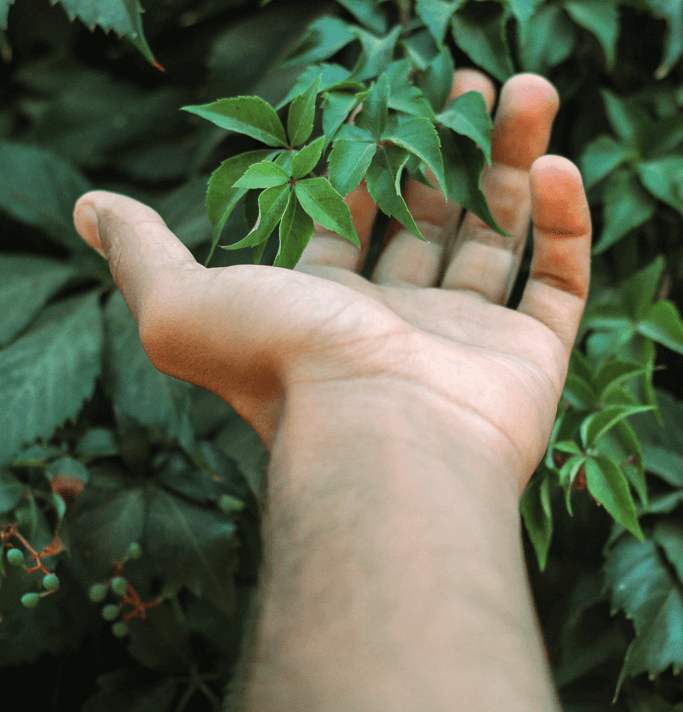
[433,315]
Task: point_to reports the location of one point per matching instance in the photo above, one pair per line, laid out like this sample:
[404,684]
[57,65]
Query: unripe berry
[97,592]
[15,557]
[119,585]
[110,612]
[120,629]
[30,600]
[51,582]
[134,551]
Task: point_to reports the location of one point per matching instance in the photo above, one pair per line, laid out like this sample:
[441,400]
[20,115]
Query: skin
[405,416]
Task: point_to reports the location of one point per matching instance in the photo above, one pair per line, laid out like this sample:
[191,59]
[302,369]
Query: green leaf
[302,113]
[468,116]
[192,546]
[664,463]
[579,392]
[436,81]
[39,188]
[554,38]
[26,284]
[607,483]
[421,48]
[663,177]
[322,202]
[48,372]
[249,115]
[621,444]
[597,424]
[464,166]
[337,105]
[377,53]
[614,372]
[139,392]
[383,180]
[263,175]
[537,516]
[419,136]
[640,289]
[222,196]
[11,491]
[668,533]
[349,161]
[305,160]
[296,230]
[332,77]
[67,467]
[323,38]
[645,587]
[524,10]
[626,206]
[373,116]
[272,203]
[369,13]
[663,324]
[122,16]
[626,119]
[600,157]
[404,96]
[670,11]
[481,35]
[601,17]
[436,14]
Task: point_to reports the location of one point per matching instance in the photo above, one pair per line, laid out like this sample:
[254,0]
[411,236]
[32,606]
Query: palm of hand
[432,316]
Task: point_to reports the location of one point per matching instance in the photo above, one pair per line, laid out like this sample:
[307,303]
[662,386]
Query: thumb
[135,241]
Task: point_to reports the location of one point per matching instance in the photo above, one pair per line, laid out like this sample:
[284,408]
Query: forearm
[393,577]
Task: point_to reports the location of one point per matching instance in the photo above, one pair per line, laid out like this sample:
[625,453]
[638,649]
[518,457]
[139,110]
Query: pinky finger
[556,291]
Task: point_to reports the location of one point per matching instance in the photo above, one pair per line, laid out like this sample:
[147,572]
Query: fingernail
[88,227]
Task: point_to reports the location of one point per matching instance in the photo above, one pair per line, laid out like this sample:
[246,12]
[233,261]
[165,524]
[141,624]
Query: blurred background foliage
[98,444]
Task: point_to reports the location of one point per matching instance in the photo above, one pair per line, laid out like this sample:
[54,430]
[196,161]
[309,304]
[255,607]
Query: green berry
[119,585]
[120,629]
[30,600]
[134,551]
[51,582]
[15,557]
[110,612]
[97,592]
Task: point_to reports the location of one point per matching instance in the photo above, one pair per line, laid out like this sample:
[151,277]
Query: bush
[110,470]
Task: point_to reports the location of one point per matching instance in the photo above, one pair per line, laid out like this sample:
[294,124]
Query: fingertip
[87,223]
[465,80]
[559,203]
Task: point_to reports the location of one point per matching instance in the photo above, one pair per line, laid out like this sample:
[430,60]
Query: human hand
[433,316]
